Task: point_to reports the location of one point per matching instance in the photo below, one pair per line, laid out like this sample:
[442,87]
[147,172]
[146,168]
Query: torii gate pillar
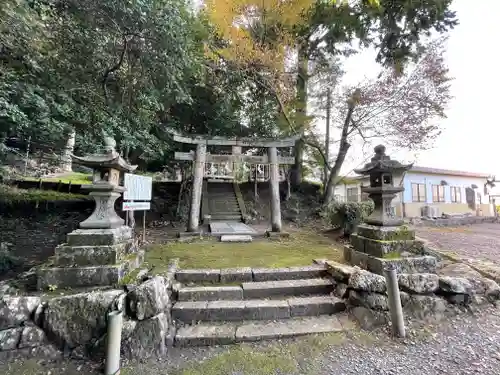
[274,184]
[198,172]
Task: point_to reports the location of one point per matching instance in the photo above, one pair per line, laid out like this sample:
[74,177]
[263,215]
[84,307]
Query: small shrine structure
[102,250]
[202,168]
[383,239]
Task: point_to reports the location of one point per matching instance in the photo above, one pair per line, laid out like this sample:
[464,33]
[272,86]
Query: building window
[456,194]
[437,193]
[352,194]
[418,192]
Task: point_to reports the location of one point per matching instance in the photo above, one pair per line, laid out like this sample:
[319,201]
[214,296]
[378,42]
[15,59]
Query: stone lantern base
[374,247]
[91,257]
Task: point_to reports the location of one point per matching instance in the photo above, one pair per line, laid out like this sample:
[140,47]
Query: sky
[470,133]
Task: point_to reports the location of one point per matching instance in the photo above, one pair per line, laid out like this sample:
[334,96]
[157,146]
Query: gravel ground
[479,241]
[464,345]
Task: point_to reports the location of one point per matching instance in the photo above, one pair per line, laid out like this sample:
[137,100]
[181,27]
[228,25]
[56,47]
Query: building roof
[438,171]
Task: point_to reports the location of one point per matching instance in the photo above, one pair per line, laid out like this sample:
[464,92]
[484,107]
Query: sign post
[137,197]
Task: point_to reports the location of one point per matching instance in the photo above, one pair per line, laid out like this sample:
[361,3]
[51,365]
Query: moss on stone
[392,255]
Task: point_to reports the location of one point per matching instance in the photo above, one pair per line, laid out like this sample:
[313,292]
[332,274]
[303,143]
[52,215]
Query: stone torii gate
[200,158]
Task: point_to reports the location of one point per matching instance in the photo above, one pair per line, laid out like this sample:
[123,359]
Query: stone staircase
[222,202]
[254,304]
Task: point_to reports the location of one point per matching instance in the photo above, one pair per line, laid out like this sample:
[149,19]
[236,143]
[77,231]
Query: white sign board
[136,206]
[138,187]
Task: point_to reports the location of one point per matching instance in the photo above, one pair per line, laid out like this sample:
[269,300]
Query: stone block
[205,335]
[423,307]
[14,311]
[419,283]
[277,235]
[381,249]
[340,272]
[368,318]
[367,281]
[236,238]
[99,237]
[266,310]
[289,273]
[90,255]
[314,306]
[374,301]
[190,311]
[75,319]
[267,289]
[210,293]
[201,275]
[231,275]
[74,277]
[9,338]
[417,264]
[47,352]
[225,310]
[287,328]
[385,233]
[32,336]
[148,338]
[149,299]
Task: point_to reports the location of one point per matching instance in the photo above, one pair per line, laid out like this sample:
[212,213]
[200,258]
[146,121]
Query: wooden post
[199,168]
[275,189]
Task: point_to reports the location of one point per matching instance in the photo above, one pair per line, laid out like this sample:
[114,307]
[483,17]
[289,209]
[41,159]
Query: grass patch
[75,179]
[297,250]
[10,195]
[296,357]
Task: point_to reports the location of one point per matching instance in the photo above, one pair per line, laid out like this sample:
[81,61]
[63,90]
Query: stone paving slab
[210,293]
[235,238]
[201,275]
[230,275]
[314,306]
[289,273]
[230,228]
[287,328]
[205,335]
[266,289]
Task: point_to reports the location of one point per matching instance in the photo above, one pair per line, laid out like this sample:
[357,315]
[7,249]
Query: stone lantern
[382,239]
[102,251]
[105,187]
[382,191]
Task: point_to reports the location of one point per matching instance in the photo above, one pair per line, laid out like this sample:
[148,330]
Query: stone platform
[91,257]
[230,228]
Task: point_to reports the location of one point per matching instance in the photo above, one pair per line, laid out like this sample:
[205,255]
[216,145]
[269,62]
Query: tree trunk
[66,162]
[327,137]
[343,148]
[301,111]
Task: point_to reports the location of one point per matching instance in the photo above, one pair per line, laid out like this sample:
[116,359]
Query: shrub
[7,260]
[347,215]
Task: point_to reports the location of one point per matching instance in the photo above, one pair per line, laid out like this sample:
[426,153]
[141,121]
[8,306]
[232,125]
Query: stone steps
[230,333]
[246,274]
[256,309]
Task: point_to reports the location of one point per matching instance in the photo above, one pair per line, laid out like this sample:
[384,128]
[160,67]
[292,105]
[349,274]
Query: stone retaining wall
[48,326]
[453,221]
[423,295]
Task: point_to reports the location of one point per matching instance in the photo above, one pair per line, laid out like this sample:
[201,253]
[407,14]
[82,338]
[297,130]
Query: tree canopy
[132,68]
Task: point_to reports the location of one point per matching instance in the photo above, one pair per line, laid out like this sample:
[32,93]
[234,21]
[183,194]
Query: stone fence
[75,325]
[453,221]
[423,295]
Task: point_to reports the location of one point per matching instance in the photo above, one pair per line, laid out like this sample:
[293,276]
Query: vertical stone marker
[102,251]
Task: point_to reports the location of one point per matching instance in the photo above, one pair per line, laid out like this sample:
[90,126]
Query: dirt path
[478,241]
[464,345]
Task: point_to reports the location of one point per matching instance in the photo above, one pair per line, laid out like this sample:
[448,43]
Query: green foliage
[10,195]
[348,215]
[7,260]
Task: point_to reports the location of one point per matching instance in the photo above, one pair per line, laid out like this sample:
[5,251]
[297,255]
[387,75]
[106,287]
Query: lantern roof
[109,159]
[381,163]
